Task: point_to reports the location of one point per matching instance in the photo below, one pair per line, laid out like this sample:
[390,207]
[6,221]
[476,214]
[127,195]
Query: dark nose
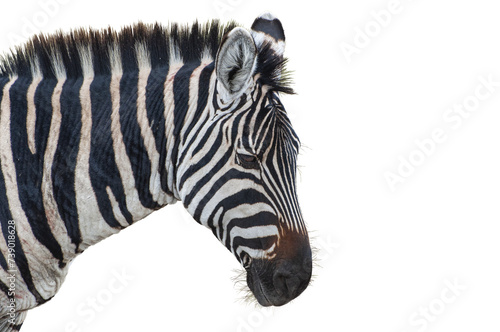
[291,279]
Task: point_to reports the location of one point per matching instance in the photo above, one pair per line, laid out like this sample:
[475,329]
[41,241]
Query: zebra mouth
[262,298]
[255,285]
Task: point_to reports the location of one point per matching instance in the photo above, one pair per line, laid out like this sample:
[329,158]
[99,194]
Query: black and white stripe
[98,129]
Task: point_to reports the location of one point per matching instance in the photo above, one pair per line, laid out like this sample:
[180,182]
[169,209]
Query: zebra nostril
[286,284]
[292,285]
[279,281]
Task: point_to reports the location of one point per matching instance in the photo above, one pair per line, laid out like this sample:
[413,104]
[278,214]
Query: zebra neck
[151,111]
[154,115]
[188,88]
[107,155]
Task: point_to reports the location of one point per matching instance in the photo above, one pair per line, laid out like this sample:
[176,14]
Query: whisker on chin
[240,283]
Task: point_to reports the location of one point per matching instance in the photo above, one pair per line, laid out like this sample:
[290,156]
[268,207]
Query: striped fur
[98,129]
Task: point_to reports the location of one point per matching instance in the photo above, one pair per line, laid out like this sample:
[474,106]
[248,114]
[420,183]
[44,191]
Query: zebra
[100,128]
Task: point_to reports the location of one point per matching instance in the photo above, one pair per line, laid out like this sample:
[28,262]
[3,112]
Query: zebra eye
[248,161]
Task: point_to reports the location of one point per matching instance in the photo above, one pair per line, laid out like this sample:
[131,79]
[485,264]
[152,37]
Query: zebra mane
[42,54]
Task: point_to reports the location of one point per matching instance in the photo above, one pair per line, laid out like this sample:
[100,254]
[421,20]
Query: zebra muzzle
[278,281]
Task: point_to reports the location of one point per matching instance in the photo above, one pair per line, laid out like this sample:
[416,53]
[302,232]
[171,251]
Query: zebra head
[238,177]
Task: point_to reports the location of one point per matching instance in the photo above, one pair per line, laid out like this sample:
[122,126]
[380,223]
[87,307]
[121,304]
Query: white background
[386,256]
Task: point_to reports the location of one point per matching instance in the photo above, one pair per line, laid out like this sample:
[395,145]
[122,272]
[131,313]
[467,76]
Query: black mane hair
[190,41]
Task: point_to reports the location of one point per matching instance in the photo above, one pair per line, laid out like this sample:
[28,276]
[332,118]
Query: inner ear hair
[236,60]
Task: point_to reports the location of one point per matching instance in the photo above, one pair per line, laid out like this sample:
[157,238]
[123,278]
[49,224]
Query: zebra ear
[267,29]
[236,61]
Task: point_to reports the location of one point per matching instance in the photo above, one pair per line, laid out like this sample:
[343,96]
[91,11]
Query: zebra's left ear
[267,29]
[236,61]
